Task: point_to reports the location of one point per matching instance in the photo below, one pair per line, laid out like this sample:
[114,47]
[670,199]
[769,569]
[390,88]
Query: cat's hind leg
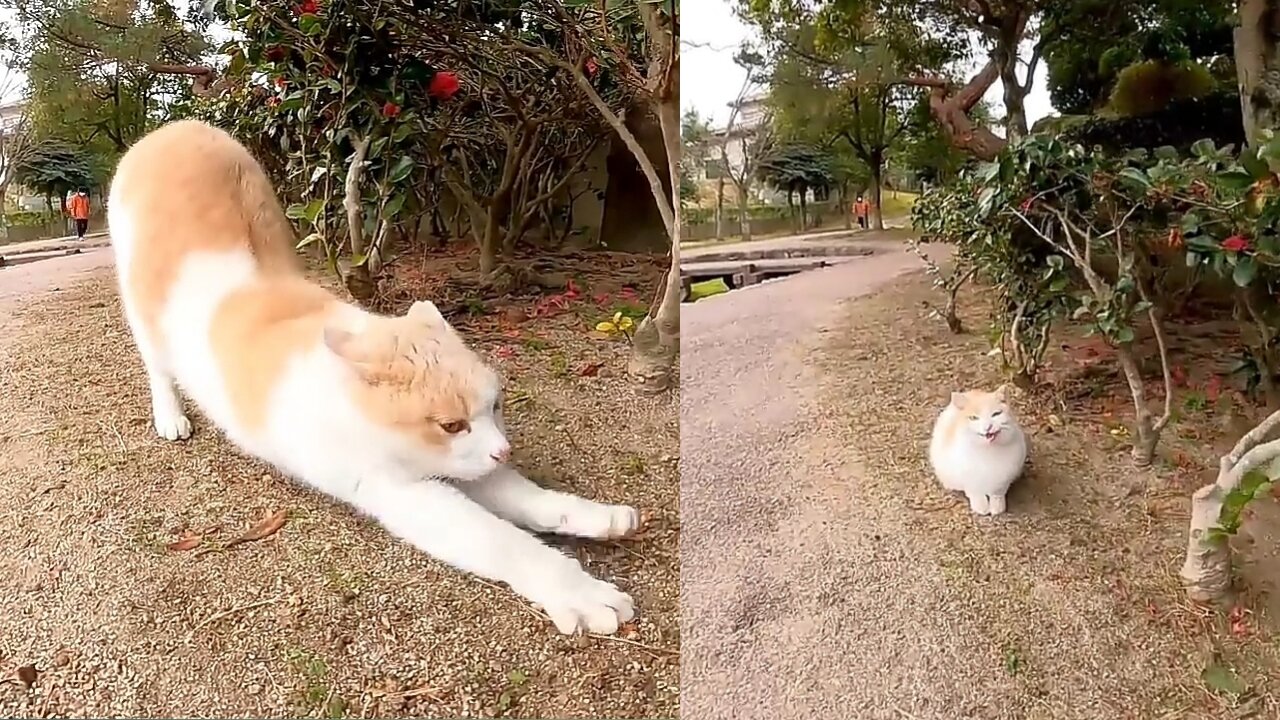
[995,504]
[979,502]
[511,496]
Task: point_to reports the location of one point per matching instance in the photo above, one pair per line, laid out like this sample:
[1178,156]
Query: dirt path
[824,574]
[329,616]
[753,646]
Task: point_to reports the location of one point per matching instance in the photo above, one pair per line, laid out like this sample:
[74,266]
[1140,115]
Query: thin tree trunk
[877,212]
[356,273]
[844,206]
[744,218]
[720,208]
[804,210]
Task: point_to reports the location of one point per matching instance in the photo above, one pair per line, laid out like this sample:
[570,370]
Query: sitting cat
[394,415]
[978,448]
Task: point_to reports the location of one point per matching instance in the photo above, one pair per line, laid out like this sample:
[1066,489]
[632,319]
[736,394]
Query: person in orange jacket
[78,209]
[861,210]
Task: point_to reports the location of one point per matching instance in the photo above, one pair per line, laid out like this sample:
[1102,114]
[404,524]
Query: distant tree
[55,168]
[798,169]
[695,134]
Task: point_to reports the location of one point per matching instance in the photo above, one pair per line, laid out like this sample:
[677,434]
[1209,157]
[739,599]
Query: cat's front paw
[173,426]
[995,505]
[576,601]
[598,522]
[979,504]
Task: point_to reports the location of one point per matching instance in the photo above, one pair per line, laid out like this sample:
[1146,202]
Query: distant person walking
[78,209]
[861,210]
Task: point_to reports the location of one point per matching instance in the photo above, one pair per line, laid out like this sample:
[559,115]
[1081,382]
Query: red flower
[443,85]
[1175,237]
[273,101]
[592,67]
[1026,204]
[1236,243]
[308,7]
[390,110]
[275,53]
[281,83]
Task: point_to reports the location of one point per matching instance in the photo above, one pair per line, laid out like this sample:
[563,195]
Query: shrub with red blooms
[1236,243]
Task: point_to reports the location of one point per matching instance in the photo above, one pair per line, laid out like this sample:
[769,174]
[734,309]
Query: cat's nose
[502,455]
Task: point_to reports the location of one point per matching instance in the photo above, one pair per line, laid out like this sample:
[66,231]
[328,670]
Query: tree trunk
[844,206]
[1015,93]
[952,112]
[1206,570]
[657,339]
[804,211]
[355,273]
[720,208]
[1257,54]
[1146,435]
[877,172]
[744,218]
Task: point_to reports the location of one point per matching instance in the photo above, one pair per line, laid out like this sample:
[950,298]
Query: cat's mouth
[991,434]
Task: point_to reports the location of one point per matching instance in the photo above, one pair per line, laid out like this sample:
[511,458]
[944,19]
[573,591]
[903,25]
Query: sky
[709,80]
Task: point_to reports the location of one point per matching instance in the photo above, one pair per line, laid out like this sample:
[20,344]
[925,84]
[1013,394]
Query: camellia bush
[1060,230]
[367,112]
[1116,241]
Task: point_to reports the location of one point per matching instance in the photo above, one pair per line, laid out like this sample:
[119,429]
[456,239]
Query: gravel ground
[329,616]
[825,574]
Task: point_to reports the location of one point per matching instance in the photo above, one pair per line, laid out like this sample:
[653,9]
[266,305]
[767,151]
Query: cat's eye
[453,427]
[973,417]
[997,413]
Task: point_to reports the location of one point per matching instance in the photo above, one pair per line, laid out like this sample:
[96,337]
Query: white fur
[980,468]
[462,507]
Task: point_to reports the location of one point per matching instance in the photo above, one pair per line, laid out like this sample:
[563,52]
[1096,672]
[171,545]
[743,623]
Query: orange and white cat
[394,415]
[978,448]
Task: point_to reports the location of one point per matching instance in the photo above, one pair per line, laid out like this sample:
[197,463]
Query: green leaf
[988,171]
[1255,166]
[313,237]
[308,212]
[1166,152]
[1136,176]
[1235,179]
[310,24]
[1221,680]
[1203,244]
[393,206]
[359,260]
[985,200]
[1246,270]
[401,169]
[1203,148]
[1124,335]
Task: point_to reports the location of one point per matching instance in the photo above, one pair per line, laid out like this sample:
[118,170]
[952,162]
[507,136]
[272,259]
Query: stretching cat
[394,415]
[978,448]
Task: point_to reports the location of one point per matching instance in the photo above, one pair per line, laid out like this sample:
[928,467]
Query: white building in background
[753,113]
[10,116]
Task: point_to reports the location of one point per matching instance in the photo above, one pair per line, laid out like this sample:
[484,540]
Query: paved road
[750,647]
[45,275]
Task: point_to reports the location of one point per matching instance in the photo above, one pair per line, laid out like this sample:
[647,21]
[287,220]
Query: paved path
[751,648]
[45,275]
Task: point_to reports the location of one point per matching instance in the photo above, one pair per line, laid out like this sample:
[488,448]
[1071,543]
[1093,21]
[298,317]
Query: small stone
[28,674]
[61,658]
[254,689]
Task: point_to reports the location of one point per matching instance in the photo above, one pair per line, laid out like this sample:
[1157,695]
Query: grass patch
[707,288]
[896,206]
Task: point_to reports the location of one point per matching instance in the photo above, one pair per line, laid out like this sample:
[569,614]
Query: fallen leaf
[591,369]
[186,543]
[27,674]
[505,351]
[1221,679]
[266,528]
[1239,628]
[1213,388]
[1236,614]
[1179,376]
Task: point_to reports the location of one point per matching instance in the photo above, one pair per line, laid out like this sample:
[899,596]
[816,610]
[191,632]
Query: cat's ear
[426,312]
[958,400]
